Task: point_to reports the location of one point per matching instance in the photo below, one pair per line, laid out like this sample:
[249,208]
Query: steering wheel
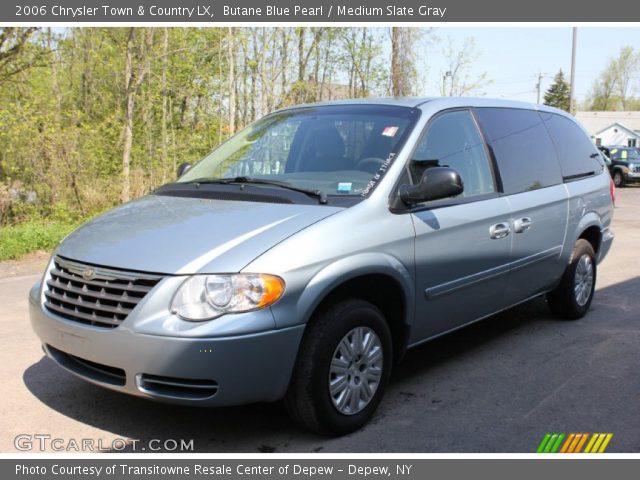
[369,164]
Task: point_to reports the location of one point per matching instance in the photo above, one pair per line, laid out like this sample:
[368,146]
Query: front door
[463,244]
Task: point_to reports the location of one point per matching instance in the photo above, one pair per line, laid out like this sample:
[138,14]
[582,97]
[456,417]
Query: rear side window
[577,155]
[525,154]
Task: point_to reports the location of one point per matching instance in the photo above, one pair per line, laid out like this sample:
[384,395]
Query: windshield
[337,150]
[625,154]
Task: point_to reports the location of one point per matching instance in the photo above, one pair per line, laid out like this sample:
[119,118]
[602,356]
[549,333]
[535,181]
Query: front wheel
[342,368]
[572,298]
[618,179]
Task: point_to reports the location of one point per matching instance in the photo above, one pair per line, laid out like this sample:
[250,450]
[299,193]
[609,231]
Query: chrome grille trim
[191,389]
[106,273]
[104,299]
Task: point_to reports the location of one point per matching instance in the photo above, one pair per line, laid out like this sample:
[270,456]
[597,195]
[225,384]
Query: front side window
[337,150]
[452,140]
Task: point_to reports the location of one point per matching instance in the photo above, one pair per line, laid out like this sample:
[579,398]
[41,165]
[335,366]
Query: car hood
[177,235]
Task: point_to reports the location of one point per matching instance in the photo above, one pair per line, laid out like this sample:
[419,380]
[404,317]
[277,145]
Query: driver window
[453,141]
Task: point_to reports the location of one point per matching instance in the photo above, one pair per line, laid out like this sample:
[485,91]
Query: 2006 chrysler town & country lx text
[302,257]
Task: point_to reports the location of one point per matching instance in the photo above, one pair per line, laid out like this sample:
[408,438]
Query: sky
[513,56]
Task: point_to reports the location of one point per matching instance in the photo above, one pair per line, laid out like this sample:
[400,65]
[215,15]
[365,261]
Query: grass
[18,240]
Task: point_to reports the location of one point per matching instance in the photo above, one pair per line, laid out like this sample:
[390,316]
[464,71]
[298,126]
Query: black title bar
[317,11]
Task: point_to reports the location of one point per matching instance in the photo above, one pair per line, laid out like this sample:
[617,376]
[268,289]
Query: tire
[618,179]
[309,400]
[568,301]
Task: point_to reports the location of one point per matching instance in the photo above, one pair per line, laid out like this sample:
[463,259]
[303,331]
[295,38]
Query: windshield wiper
[319,194]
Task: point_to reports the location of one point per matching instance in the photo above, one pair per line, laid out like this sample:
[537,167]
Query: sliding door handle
[499,230]
[522,225]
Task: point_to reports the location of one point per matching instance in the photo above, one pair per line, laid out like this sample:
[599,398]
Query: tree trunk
[221,90]
[165,139]
[128,120]
[396,74]
[232,81]
[285,63]
[301,63]
[136,67]
[255,66]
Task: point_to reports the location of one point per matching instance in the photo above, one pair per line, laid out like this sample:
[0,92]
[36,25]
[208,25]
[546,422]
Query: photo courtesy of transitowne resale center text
[319,239]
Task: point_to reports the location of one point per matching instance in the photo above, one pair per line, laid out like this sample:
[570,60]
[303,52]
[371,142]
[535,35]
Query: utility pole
[540,75]
[573,70]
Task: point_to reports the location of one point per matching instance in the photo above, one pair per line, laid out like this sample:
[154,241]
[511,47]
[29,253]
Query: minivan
[301,258]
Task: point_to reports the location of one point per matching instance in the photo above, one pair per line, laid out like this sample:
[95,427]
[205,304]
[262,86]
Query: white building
[612,128]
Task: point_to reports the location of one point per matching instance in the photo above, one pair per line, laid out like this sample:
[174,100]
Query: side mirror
[436,183]
[183,168]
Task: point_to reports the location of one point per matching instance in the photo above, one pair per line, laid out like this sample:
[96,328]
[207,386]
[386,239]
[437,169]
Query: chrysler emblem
[88,274]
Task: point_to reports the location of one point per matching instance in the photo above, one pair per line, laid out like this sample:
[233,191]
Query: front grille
[95,295]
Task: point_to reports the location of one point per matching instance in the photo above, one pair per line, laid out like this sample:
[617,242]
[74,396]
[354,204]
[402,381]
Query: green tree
[613,88]
[559,93]
[17,52]
[93,116]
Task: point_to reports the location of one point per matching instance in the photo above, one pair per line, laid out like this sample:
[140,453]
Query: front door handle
[522,225]
[499,230]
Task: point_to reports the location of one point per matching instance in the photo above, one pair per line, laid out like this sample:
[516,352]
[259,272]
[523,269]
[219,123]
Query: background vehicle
[301,258]
[624,164]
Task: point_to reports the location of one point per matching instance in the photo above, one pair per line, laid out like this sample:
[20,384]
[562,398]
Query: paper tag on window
[344,187]
[389,131]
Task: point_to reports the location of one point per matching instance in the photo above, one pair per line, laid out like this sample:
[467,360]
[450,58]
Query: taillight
[612,191]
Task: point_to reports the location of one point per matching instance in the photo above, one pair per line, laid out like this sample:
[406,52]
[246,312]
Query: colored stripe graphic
[598,442]
[565,447]
[574,442]
[543,443]
[550,443]
[577,443]
[556,445]
[590,444]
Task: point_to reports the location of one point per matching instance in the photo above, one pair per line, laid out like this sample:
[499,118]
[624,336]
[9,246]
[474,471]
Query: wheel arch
[377,278]
[593,235]
[590,229]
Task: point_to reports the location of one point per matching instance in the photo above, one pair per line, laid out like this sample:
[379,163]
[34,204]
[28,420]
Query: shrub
[18,240]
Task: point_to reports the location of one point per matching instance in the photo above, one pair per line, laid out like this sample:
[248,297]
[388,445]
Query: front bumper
[214,371]
[631,176]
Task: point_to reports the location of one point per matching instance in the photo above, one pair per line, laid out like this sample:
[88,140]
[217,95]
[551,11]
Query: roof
[596,122]
[441,102]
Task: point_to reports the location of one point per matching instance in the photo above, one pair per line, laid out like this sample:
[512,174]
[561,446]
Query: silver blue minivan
[300,259]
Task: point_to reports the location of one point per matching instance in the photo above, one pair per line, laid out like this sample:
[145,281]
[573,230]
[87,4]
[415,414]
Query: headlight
[204,297]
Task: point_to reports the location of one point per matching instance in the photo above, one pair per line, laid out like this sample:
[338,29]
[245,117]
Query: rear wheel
[618,179]
[572,298]
[342,368]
